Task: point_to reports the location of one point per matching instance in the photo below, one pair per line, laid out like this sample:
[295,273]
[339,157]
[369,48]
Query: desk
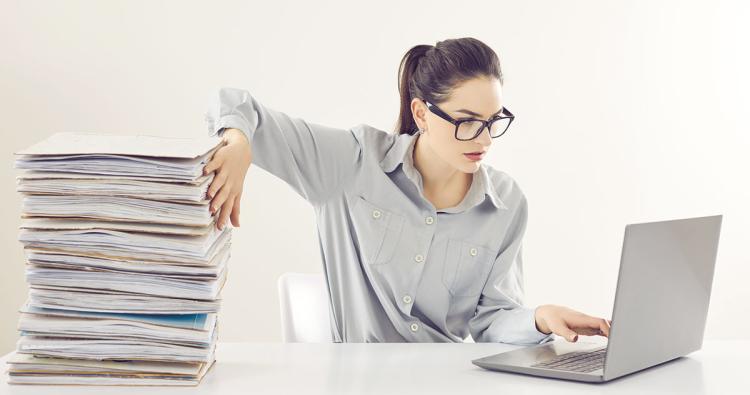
[411,368]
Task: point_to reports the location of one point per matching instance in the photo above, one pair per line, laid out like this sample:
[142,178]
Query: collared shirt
[397,269]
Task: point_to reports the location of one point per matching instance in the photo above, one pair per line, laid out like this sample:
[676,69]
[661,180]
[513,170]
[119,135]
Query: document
[124,263]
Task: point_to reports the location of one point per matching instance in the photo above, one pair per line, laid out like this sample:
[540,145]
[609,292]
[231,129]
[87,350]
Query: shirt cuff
[216,128]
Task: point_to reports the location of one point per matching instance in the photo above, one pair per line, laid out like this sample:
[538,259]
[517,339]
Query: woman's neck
[443,185]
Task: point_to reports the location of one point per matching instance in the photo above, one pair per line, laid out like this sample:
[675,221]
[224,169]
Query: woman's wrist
[541,324]
[231,135]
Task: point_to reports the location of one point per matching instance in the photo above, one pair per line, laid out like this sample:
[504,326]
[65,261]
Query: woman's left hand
[569,323]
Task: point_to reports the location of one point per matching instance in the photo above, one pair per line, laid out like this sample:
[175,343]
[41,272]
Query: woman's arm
[501,315]
[315,160]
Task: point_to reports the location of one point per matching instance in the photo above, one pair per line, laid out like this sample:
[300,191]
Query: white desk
[393,368]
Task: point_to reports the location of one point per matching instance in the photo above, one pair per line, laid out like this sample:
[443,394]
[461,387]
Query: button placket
[407,299]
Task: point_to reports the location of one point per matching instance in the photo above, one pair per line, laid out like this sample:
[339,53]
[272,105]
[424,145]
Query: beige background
[626,111]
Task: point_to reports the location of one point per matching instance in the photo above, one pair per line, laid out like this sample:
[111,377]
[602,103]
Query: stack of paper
[124,263]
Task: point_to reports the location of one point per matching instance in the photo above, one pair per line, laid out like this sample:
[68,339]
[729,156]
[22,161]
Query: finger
[235,216]
[226,209]
[569,335]
[220,198]
[588,331]
[587,325]
[562,330]
[215,162]
[212,165]
[216,185]
[585,322]
[604,328]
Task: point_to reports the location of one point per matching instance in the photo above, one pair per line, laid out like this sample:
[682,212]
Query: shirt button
[414,327]
[429,220]
[419,258]
[406,299]
[473,252]
[376,214]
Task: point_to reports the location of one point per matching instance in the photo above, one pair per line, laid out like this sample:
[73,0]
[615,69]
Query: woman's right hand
[566,322]
[230,162]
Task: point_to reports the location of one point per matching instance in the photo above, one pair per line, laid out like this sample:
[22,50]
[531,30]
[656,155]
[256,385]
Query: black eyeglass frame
[505,114]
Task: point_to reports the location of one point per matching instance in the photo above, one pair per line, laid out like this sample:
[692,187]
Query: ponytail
[406,72]
[430,73]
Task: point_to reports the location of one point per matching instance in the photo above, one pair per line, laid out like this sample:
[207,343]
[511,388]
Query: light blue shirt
[397,269]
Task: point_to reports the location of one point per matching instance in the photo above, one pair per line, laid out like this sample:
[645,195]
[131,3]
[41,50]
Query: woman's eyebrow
[472,113]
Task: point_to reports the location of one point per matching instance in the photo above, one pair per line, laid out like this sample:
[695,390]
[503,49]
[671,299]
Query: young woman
[420,241]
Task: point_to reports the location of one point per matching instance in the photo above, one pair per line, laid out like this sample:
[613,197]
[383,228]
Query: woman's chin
[469,166]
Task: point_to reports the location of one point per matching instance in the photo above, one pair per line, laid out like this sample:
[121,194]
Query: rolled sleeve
[501,315]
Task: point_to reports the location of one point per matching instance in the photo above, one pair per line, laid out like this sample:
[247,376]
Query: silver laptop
[659,314]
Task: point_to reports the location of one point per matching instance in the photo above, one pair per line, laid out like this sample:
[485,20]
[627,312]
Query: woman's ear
[419,112]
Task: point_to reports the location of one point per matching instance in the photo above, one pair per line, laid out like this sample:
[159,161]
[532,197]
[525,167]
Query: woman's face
[479,98]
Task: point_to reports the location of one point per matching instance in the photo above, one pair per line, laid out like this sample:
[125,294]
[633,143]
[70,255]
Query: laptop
[660,308]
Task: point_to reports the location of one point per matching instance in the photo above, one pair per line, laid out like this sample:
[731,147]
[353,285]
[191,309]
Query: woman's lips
[474,156]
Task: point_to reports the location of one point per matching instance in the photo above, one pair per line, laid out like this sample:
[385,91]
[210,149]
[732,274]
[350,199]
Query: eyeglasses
[470,128]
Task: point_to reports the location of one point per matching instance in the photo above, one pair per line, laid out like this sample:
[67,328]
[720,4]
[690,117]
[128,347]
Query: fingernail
[575,338]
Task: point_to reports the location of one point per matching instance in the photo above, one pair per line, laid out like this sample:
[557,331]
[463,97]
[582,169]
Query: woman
[420,241]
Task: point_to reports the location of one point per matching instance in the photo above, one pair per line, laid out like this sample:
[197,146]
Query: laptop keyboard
[579,361]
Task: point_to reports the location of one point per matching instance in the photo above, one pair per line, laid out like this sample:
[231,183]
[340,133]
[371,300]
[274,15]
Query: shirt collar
[401,153]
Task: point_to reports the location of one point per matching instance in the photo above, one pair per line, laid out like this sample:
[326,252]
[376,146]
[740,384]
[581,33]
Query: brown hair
[431,72]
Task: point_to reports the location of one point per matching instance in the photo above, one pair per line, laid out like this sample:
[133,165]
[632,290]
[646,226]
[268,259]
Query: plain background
[627,111]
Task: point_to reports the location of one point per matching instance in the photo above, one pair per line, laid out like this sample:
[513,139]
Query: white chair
[303,302]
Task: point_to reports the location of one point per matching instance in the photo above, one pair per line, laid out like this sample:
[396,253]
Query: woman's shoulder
[373,140]
[371,133]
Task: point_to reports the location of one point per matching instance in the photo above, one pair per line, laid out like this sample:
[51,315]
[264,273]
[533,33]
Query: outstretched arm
[315,160]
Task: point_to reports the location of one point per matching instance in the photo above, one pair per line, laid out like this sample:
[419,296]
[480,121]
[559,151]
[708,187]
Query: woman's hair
[431,72]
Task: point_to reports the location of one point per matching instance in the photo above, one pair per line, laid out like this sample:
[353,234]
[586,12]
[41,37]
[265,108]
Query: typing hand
[569,323]
[230,162]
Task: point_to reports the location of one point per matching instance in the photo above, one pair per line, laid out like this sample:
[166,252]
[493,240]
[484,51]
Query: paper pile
[124,263]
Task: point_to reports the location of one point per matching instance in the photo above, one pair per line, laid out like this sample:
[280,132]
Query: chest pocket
[466,267]
[378,231]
